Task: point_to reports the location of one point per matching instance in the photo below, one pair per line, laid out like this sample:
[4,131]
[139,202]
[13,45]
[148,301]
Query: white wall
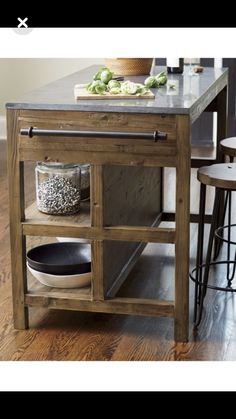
[18,76]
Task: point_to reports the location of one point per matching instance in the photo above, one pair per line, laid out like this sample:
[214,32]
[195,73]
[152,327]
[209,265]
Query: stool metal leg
[220,221]
[204,283]
[202,205]
[230,277]
[229,194]
[233,271]
[220,217]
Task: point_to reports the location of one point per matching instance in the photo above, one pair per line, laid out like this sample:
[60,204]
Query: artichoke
[156,81]
[101,88]
[106,76]
[150,82]
[141,89]
[97,86]
[161,78]
[97,76]
[114,90]
[129,88]
[113,84]
[102,83]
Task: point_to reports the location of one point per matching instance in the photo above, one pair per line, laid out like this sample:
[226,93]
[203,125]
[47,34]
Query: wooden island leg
[183,168]
[16,202]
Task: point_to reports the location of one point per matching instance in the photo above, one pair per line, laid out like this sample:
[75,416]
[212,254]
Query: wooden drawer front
[52,148]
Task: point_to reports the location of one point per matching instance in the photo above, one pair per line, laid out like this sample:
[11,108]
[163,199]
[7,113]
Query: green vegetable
[97,76]
[97,86]
[156,81]
[113,84]
[141,89]
[150,82]
[106,76]
[101,88]
[114,90]
[129,88]
[102,83]
[161,78]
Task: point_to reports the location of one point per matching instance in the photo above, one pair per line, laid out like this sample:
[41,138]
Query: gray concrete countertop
[190,93]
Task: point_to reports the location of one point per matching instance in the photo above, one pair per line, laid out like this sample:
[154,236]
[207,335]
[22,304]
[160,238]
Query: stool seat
[222,175]
[228,146]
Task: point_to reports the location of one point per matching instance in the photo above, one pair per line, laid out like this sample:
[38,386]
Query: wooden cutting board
[81,93]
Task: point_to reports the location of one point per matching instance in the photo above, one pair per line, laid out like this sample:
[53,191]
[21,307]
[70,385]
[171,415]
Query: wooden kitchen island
[125,210]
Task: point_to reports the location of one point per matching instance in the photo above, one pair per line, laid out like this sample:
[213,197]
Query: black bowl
[64,258]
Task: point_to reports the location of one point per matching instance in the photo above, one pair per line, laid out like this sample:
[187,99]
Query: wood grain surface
[81,93]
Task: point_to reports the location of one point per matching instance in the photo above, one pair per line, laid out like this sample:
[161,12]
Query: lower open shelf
[145,292]
[35,288]
[143,307]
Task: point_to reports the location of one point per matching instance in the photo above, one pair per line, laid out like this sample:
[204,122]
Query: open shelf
[35,288]
[202,155]
[152,277]
[78,225]
[82,218]
[81,299]
[205,152]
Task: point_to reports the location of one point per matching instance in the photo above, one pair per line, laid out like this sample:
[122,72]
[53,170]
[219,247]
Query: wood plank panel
[97,223]
[82,293]
[82,218]
[131,197]
[182,230]
[108,121]
[166,159]
[120,233]
[117,305]
[16,199]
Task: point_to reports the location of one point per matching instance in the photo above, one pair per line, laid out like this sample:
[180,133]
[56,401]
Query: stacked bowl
[61,265]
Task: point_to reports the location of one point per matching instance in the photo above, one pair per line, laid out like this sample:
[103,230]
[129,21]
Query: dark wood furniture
[126,177]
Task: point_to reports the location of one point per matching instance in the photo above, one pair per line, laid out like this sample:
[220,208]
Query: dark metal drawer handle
[156,135]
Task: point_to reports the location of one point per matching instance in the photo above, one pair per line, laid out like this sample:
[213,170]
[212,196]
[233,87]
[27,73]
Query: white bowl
[62,281]
[72,239]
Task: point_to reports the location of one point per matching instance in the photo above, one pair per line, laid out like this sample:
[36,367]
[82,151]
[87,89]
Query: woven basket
[129,66]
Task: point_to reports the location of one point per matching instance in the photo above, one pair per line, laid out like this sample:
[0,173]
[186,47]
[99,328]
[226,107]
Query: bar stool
[228,147]
[223,177]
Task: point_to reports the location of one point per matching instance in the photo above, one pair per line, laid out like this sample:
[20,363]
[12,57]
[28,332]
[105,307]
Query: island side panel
[16,205]
[132,197]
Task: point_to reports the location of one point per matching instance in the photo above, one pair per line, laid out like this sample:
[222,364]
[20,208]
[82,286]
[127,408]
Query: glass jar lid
[53,166]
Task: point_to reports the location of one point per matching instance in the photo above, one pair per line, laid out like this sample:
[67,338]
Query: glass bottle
[175,65]
[58,188]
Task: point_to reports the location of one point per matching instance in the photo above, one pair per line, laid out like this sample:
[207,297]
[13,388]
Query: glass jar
[58,188]
[85,181]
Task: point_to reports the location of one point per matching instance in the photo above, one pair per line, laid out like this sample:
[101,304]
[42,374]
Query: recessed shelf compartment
[82,218]
[36,289]
[38,223]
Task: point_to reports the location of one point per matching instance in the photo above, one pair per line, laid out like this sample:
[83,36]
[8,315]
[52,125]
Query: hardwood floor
[65,335]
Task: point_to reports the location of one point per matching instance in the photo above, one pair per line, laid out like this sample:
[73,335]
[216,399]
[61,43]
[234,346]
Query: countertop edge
[118,109]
